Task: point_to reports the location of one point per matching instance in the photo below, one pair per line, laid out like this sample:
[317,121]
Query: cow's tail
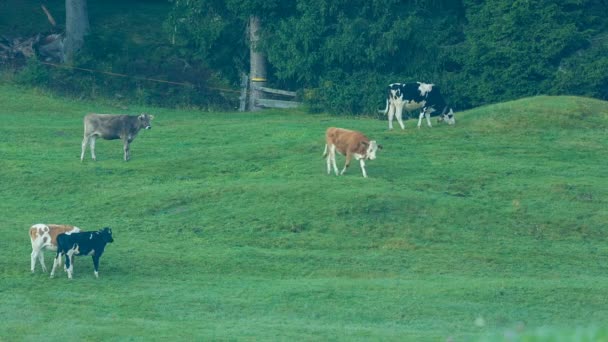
[385,110]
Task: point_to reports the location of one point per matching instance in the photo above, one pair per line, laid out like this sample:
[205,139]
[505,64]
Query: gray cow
[113,126]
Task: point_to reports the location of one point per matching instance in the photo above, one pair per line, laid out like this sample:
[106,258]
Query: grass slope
[227,227]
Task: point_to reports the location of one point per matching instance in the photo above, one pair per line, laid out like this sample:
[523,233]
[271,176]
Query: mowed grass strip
[227,226]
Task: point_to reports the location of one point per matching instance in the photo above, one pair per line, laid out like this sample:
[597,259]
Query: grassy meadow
[227,227]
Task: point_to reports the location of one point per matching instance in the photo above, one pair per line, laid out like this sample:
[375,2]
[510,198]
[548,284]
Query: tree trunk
[76,27]
[257,63]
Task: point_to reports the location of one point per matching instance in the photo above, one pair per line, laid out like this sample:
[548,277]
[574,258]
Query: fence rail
[277,91]
[260,101]
[269,103]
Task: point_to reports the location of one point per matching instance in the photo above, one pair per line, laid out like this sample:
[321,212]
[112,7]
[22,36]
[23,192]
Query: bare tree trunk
[76,27]
[257,63]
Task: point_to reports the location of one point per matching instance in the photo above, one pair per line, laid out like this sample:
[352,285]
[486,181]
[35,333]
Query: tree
[257,64]
[76,26]
[345,52]
[214,32]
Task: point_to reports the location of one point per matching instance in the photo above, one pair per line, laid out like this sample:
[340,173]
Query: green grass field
[226,226]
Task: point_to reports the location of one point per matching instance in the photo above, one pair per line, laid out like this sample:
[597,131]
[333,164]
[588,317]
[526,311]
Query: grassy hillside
[227,227]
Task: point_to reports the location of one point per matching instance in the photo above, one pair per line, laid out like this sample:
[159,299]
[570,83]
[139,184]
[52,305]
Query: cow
[350,144]
[81,243]
[44,237]
[412,96]
[113,126]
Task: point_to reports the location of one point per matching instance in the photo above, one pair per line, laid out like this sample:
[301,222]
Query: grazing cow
[112,126]
[82,243]
[412,96]
[44,236]
[351,144]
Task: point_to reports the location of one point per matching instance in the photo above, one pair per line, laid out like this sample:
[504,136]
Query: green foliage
[227,227]
[514,48]
[128,58]
[203,32]
[360,47]
[479,52]
[32,73]
[343,92]
[344,37]
[585,73]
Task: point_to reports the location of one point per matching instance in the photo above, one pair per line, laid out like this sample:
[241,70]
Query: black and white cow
[81,243]
[112,126]
[412,96]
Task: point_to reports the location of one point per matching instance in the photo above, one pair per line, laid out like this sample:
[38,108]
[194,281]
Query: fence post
[257,64]
[243,97]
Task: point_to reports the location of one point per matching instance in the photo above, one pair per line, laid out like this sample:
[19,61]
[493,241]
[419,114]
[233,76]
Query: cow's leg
[391,114]
[347,162]
[34,257]
[65,269]
[92,143]
[427,114]
[69,264]
[362,163]
[127,155]
[56,261]
[332,153]
[327,159]
[399,113]
[96,265]
[37,254]
[41,259]
[420,118]
[85,142]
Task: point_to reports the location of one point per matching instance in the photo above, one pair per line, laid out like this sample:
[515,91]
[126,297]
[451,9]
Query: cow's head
[394,92]
[448,117]
[370,149]
[106,234]
[145,120]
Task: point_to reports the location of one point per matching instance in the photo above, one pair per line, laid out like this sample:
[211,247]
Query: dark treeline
[342,54]
[345,52]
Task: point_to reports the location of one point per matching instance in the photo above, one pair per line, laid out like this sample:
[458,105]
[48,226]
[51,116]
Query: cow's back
[436,99]
[411,92]
[85,242]
[46,234]
[107,126]
[345,140]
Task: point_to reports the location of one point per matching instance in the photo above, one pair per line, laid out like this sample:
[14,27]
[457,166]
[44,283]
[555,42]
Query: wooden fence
[261,101]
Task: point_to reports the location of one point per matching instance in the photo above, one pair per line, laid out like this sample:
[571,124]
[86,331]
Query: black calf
[83,243]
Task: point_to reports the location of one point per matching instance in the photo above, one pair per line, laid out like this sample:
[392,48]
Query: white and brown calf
[350,144]
[44,236]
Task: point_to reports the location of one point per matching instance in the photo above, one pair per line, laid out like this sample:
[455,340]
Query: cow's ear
[151,116]
[364,143]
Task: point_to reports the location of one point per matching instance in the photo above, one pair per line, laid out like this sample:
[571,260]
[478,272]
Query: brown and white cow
[350,144]
[113,126]
[44,236]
